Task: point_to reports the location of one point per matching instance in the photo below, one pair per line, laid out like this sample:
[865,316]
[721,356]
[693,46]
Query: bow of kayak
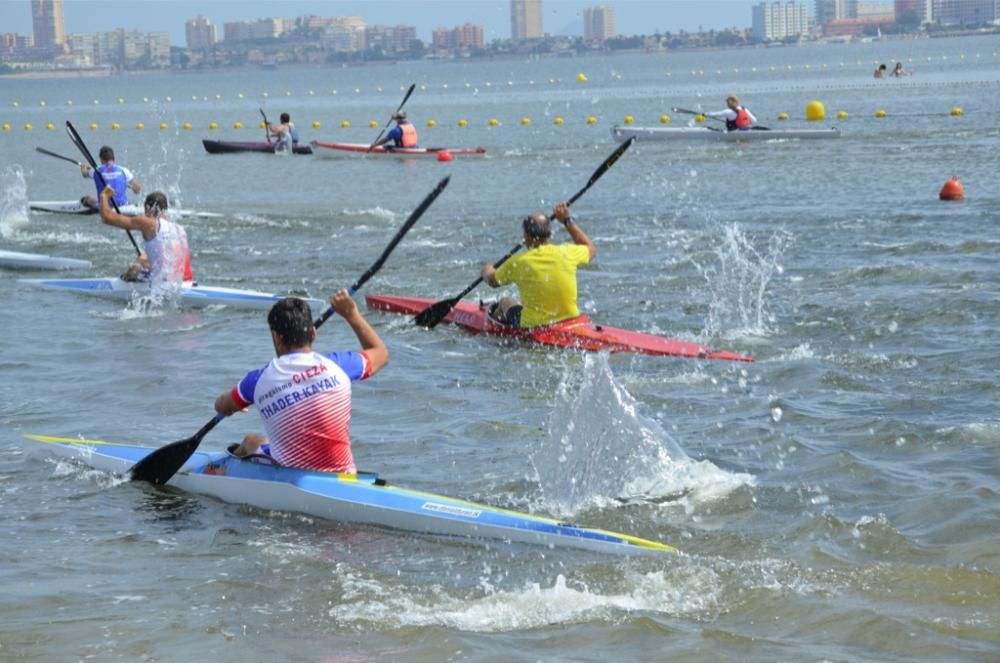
[75,207]
[577,333]
[327,149]
[363,498]
[18,260]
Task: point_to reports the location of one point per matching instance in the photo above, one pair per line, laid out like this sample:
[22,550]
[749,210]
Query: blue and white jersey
[115,176]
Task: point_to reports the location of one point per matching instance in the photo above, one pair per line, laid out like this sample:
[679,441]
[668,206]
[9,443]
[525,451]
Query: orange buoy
[952,190]
[444,155]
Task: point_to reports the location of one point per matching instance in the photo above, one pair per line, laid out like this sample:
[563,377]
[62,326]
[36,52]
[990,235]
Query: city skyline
[559,17]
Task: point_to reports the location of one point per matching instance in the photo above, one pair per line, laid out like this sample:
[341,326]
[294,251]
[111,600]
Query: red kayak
[324,149]
[229,146]
[578,333]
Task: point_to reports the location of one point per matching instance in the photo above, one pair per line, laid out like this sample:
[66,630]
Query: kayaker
[168,255]
[880,71]
[404,134]
[117,177]
[545,274]
[286,135]
[304,397]
[737,117]
[898,71]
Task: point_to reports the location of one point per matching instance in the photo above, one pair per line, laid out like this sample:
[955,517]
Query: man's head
[733,102]
[291,321]
[399,116]
[285,118]
[537,228]
[106,154]
[156,202]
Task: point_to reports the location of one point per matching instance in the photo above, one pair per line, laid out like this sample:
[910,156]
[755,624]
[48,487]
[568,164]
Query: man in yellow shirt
[545,274]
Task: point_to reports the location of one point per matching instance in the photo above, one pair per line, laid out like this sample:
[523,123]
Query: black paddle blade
[431,316]
[159,466]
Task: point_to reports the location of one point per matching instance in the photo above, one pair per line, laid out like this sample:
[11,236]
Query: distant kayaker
[545,274]
[304,397]
[898,71]
[285,134]
[119,178]
[737,117]
[167,256]
[880,71]
[404,134]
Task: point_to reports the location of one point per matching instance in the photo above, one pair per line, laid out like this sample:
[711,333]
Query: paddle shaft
[57,156]
[160,465]
[437,311]
[75,137]
[267,131]
[399,108]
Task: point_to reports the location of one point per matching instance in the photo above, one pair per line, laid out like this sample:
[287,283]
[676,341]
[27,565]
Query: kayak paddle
[755,127]
[160,465]
[75,137]
[401,104]
[267,133]
[436,312]
[57,156]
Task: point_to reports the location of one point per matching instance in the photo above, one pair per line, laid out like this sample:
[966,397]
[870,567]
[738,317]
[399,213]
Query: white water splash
[376,212]
[601,450]
[738,280]
[13,201]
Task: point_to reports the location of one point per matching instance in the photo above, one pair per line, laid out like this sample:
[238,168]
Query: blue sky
[560,16]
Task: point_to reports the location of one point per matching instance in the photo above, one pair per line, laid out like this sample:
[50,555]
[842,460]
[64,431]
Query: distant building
[922,9]
[599,23]
[526,19]
[392,39]
[964,12]
[48,24]
[200,33]
[262,28]
[14,43]
[463,38]
[835,10]
[779,20]
[121,49]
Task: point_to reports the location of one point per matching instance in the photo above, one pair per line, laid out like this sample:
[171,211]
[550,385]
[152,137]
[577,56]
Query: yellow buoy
[629,119]
[378,89]
[357,90]
[664,119]
[956,111]
[163,126]
[6,126]
[463,123]
[120,100]
[782,116]
[218,97]
[288,93]
[167,98]
[50,126]
[115,126]
[264,94]
[28,127]
[237,125]
[580,78]
[880,113]
[41,103]
[316,124]
[525,121]
[240,95]
[431,124]
[93,126]
[494,122]
[700,118]
[815,111]
[312,93]
[468,85]
[557,121]
[14,104]
[841,115]
[69,102]
[145,100]
[213,125]
[444,87]
[592,120]
[186,125]
[372,124]
[262,125]
[140,126]
[345,124]
[423,86]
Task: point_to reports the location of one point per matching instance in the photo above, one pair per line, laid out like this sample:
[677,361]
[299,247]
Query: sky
[559,16]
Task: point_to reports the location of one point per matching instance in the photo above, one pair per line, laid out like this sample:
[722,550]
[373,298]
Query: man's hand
[561,212]
[344,304]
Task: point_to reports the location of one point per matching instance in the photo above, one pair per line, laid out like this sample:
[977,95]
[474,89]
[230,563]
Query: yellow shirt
[545,277]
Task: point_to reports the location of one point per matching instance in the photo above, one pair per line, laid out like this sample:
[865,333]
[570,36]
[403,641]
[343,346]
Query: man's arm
[561,213]
[225,405]
[371,343]
[142,224]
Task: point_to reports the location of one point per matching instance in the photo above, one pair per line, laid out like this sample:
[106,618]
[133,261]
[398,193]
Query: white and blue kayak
[188,293]
[710,134]
[78,208]
[18,260]
[362,498]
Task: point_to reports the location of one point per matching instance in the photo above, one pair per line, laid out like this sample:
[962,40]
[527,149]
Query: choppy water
[835,500]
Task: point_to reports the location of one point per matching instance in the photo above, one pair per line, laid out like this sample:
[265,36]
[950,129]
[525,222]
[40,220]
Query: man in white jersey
[304,397]
[168,256]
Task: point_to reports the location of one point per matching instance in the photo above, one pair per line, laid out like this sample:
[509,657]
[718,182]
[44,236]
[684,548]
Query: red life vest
[409,138]
[742,118]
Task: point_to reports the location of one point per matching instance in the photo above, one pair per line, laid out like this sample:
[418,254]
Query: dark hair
[285,117]
[536,228]
[157,200]
[106,154]
[291,318]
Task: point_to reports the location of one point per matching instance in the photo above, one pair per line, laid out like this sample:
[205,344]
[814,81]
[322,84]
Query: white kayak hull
[78,208]
[706,134]
[361,498]
[190,294]
[18,260]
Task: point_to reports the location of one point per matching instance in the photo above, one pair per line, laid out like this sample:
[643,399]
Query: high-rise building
[526,19]
[48,25]
[779,20]
[599,23]
[922,9]
[200,33]
[466,37]
[835,10]
[964,12]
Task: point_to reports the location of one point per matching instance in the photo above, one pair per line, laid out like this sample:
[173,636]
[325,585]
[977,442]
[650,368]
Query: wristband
[568,222]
